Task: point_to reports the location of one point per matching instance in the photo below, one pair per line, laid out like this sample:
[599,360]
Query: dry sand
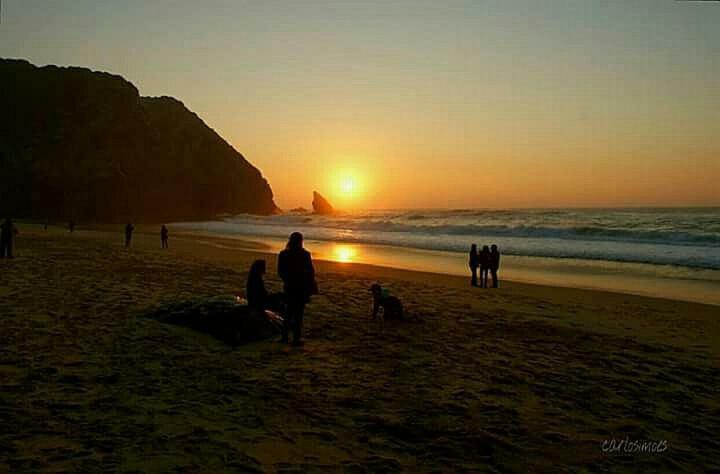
[523,378]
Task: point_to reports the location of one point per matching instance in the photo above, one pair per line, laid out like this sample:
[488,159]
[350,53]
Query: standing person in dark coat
[164,236]
[484,258]
[494,264]
[473,262]
[8,231]
[296,269]
[129,228]
[71,226]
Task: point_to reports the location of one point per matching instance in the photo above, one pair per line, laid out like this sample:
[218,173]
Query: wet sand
[522,378]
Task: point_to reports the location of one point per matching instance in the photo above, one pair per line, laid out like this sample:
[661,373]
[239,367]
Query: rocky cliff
[84,145]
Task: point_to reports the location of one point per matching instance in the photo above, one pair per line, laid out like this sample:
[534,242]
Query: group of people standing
[295,268]
[488,261]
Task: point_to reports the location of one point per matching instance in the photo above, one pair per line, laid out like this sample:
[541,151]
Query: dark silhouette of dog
[392,307]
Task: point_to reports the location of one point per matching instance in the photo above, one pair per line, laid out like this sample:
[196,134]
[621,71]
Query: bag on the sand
[221,318]
[272,315]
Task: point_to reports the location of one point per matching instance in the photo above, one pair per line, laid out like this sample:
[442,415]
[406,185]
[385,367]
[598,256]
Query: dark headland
[84,145]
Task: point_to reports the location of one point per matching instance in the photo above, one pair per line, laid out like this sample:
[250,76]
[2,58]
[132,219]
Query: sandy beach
[525,378]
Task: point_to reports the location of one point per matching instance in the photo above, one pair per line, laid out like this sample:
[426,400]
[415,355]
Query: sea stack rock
[321,205]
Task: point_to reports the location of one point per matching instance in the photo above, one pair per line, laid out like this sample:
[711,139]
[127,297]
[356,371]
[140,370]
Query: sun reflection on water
[344,253]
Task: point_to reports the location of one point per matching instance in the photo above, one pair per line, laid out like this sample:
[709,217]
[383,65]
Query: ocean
[582,246]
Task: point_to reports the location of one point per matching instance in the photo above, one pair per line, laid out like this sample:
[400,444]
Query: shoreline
[259,245]
[226,252]
[587,275]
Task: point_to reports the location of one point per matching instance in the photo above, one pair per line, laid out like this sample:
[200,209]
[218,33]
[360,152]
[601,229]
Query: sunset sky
[395,104]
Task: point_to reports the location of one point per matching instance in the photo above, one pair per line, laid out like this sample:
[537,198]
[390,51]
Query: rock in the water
[321,205]
[221,318]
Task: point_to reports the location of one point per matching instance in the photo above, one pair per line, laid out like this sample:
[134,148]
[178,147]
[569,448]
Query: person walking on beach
[296,269]
[164,236]
[494,264]
[484,258]
[473,262]
[129,228]
[8,231]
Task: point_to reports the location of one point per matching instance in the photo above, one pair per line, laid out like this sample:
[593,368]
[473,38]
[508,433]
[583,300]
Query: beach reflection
[344,253]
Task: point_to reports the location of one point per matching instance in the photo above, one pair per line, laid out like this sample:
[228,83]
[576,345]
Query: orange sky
[425,104]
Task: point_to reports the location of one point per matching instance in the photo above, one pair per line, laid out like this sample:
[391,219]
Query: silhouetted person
[494,264]
[484,258]
[164,236]
[391,305]
[8,231]
[473,262]
[255,292]
[295,267]
[45,225]
[129,228]
[71,226]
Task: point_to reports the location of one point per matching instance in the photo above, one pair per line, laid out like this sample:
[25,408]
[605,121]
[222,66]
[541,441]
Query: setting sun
[347,185]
